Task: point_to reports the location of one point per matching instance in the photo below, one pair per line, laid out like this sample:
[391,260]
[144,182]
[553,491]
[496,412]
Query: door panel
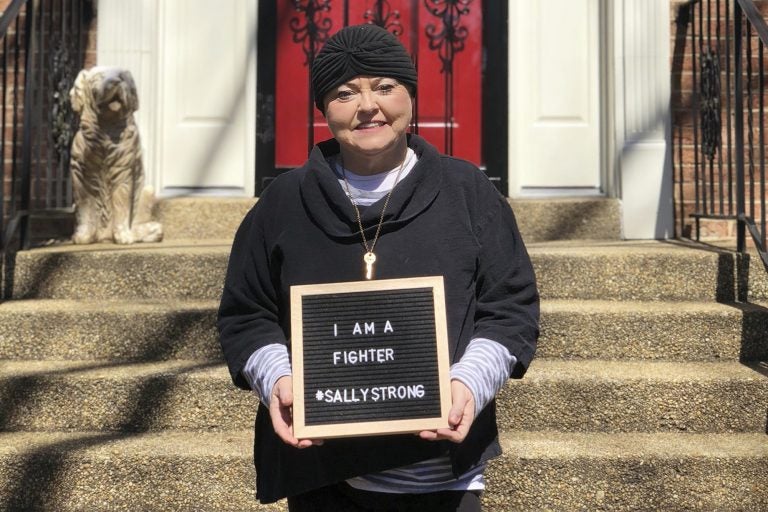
[208,92]
[558,95]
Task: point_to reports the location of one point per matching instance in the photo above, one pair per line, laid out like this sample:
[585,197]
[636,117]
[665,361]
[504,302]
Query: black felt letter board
[369,357]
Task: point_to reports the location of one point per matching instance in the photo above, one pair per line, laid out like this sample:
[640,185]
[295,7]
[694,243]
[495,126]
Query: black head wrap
[360,50]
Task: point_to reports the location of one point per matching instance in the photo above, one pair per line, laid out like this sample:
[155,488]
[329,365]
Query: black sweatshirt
[445,218]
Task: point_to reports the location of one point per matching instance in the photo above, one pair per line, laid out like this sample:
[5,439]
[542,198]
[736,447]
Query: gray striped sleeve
[264,367]
[431,475]
[484,369]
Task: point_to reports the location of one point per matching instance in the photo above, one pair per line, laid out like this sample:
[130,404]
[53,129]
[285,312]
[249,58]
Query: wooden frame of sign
[369,357]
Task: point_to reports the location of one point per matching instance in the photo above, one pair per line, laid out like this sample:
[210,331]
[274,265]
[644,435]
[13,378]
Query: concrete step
[679,331]
[147,330]
[539,471]
[190,269]
[643,271]
[601,396]
[542,220]
[639,271]
[649,472]
[637,396]
[140,330]
[199,218]
[539,219]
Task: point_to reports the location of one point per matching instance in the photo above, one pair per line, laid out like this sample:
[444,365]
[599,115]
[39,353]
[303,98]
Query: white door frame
[635,42]
[556,118]
[635,139]
[129,35]
[641,163]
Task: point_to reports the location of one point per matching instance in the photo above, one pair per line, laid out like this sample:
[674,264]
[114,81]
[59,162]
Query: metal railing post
[739,124]
[26,145]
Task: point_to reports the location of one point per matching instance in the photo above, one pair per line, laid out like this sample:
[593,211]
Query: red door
[444,39]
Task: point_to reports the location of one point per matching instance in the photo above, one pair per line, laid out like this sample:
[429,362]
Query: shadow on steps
[41,469]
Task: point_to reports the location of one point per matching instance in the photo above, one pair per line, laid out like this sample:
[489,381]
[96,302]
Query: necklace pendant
[369,258]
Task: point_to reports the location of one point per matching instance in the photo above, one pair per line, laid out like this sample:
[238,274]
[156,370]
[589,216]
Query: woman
[377,199]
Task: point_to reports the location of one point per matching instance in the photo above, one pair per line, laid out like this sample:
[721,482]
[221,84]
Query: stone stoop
[557,395]
[648,393]
[539,219]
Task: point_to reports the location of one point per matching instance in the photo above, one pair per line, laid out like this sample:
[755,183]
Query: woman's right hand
[280,404]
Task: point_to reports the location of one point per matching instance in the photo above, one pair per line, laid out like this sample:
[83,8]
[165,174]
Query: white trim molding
[127,38]
[641,70]
[134,35]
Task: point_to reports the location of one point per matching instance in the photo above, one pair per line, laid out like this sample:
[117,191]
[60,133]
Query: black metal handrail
[749,11]
[11,195]
[43,48]
[728,164]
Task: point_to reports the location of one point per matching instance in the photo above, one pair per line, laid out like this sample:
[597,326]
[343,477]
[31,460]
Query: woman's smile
[370,125]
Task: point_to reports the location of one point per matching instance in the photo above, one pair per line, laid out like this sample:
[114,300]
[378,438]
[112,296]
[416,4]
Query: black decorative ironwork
[46,59]
[64,122]
[311,34]
[711,125]
[313,31]
[447,40]
[266,110]
[731,186]
[384,16]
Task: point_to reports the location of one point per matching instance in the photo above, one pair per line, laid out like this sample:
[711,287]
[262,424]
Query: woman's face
[369,116]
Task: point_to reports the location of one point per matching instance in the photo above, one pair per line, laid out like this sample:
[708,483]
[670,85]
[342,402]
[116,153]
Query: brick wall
[11,51]
[12,95]
[693,173]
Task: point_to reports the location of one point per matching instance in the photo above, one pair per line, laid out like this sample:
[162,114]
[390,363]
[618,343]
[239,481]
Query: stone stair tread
[516,444]
[151,328]
[173,245]
[585,247]
[667,445]
[195,269]
[636,306]
[642,270]
[582,247]
[110,329]
[666,371]
[192,269]
[654,330]
[547,470]
[89,306]
[572,396]
[234,443]
[597,246]
[547,305]
[538,219]
[637,396]
[541,369]
[629,471]
[100,370]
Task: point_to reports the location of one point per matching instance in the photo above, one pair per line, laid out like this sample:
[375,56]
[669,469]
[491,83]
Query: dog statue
[111,202]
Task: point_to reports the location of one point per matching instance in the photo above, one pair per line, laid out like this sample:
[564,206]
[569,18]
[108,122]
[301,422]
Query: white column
[642,78]
[126,37]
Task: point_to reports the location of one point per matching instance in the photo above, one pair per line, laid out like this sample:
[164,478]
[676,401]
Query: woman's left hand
[460,417]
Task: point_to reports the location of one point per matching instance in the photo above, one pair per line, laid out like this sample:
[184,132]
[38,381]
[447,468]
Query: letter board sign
[369,357]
